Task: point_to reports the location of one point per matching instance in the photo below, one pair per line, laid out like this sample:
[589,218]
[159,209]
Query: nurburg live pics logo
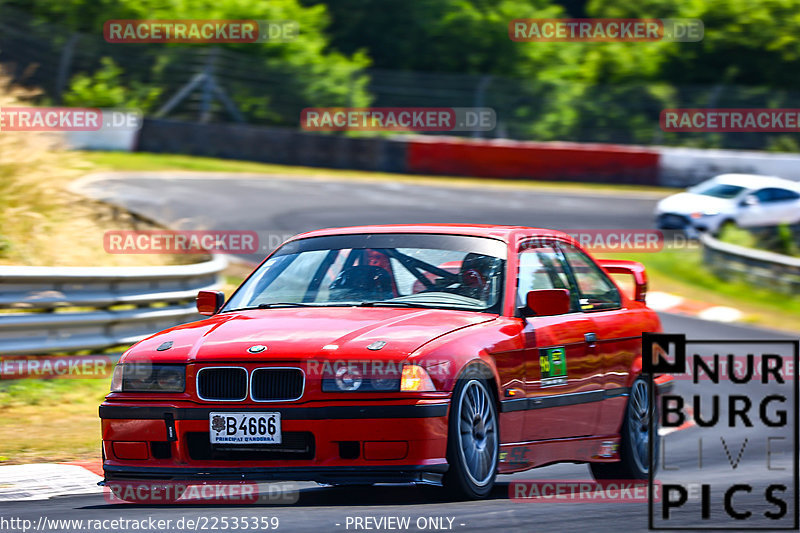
[744,434]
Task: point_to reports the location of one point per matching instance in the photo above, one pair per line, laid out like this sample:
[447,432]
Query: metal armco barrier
[760,268]
[55,309]
[412,154]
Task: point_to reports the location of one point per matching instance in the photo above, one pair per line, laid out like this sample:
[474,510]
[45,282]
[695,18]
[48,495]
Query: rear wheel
[635,438]
[473,439]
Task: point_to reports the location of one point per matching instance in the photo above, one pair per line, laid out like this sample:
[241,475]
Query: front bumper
[672,221]
[428,474]
[344,443]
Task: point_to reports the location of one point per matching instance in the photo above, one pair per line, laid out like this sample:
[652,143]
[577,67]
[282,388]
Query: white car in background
[746,200]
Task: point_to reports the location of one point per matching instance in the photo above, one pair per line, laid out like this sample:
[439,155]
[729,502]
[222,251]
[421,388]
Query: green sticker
[553,366]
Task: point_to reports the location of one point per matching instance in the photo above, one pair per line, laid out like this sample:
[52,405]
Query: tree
[300,73]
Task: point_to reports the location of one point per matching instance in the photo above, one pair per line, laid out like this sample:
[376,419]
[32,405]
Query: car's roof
[752,181]
[503,233]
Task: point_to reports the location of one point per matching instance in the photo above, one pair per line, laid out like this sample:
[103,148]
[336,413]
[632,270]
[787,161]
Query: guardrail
[55,309]
[765,269]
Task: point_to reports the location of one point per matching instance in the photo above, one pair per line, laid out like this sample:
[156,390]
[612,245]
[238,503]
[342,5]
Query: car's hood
[686,203]
[304,333]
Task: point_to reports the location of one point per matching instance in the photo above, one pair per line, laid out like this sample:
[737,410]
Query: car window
[764,195]
[776,195]
[436,271]
[595,289]
[718,190]
[543,268]
[447,260]
[783,195]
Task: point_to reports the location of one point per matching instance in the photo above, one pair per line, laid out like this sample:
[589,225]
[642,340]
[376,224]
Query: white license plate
[245,428]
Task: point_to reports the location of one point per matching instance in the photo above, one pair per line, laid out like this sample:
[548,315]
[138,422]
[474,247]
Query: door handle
[590,338]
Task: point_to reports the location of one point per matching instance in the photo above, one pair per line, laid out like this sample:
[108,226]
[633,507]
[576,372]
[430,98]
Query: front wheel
[635,438]
[473,440]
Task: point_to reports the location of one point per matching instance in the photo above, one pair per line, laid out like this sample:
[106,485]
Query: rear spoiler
[619,266]
[664,383]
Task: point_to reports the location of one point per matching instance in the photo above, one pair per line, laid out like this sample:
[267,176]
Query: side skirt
[518,456]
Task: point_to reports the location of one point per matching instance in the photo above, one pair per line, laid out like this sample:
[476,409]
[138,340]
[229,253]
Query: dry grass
[41,223]
[50,420]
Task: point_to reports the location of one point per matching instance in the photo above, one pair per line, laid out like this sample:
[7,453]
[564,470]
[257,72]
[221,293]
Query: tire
[635,438]
[473,443]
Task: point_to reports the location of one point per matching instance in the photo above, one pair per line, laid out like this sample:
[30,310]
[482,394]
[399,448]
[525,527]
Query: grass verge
[54,420]
[50,420]
[682,272]
[41,222]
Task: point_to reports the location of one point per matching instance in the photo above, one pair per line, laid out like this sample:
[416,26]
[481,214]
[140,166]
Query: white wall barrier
[682,167]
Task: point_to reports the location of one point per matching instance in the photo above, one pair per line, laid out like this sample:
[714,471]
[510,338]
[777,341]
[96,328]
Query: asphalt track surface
[279,208]
[294,205]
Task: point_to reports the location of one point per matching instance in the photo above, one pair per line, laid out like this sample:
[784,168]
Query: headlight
[362,376]
[145,377]
[702,214]
[348,379]
[351,379]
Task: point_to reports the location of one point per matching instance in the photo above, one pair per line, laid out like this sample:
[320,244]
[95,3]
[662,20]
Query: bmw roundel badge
[258,348]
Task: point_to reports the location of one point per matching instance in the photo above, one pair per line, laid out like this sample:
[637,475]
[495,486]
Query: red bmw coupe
[436,354]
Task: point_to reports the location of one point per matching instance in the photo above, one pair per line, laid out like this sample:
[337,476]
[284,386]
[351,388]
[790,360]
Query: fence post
[65,66]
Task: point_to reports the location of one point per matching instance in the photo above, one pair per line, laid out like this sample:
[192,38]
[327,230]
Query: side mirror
[547,302]
[209,302]
[749,200]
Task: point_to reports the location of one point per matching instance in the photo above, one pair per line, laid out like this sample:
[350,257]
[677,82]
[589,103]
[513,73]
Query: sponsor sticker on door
[553,366]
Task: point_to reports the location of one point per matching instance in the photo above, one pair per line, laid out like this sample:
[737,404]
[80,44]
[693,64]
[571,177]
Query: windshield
[393,270]
[719,190]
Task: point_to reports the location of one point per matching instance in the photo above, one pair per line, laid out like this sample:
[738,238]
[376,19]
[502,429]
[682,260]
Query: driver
[476,275]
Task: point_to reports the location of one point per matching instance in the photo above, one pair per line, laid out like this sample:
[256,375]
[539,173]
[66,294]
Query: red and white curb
[48,480]
[671,303]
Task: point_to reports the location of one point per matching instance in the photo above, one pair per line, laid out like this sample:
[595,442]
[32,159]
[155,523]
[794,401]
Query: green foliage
[733,234]
[688,274]
[105,88]
[782,239]
[306,71]
[542,90]
[591,91]
[788,242]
